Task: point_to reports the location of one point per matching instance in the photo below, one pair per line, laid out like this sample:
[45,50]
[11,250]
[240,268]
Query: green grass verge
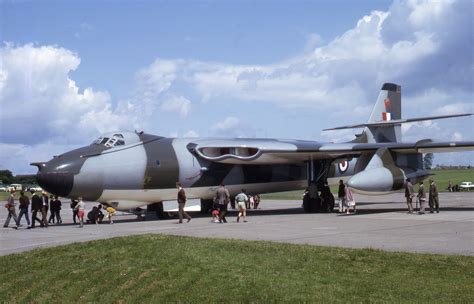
[157,268]
[456,176]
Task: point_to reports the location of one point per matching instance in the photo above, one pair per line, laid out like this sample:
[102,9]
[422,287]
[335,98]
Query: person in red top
[181,203]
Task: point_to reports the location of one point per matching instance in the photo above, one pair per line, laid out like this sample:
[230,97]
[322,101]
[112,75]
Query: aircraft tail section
[388,108]
[384,124]
[389,104]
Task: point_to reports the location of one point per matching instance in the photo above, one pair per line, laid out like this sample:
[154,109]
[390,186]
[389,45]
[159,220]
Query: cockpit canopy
[116,139]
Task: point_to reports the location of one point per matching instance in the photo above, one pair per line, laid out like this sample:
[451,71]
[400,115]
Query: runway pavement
[381,222]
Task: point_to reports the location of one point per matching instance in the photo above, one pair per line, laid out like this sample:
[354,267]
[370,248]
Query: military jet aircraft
[132,169]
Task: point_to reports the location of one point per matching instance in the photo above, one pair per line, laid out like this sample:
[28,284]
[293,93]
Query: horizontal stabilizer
[390,123]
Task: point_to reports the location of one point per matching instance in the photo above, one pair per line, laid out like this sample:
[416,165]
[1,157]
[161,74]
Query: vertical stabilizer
[388,107]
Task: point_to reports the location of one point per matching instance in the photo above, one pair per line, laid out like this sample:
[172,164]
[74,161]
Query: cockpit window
[115,140]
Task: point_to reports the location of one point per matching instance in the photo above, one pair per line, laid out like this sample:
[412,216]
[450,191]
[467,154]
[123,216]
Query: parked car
[35,188]
[3,188]
[16,187]
[466,186]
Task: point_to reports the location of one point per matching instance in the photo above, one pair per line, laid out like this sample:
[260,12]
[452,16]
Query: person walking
[433,199]
[181,203]
[36,204]
[241,199]
[44,209]
[52,215]
[24,204]
[350,201]
[341,195]
[409,195]
[421,198]
[73,205]
[11,210]
[56,209]
[81,210]
[222,198]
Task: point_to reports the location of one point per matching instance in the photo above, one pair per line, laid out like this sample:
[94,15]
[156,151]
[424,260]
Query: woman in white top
[81,210]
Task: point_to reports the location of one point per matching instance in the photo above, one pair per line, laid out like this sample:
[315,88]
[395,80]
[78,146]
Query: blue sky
[286,69]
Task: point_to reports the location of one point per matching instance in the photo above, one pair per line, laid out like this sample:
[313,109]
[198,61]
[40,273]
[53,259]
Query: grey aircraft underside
[132,169]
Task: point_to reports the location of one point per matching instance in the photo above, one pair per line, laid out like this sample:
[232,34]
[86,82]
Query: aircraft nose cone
[58,183]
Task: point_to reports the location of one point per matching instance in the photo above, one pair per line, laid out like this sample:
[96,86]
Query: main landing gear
[318,196]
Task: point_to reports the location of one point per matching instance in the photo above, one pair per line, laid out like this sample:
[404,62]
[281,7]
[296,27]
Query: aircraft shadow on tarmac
[262,212]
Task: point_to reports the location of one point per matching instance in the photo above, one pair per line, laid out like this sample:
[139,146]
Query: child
[215,215]
[111,212]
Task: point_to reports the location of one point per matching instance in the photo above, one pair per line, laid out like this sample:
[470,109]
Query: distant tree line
[6,177]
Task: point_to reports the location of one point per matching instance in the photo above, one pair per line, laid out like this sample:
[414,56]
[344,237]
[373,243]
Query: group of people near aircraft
[346,199]
[40,204]
[220,204]
[219,208]
[433,198]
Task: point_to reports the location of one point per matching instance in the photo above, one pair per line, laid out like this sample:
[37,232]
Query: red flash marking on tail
[388,104]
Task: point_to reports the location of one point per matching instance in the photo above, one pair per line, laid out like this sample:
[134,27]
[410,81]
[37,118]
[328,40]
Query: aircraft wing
[272,151]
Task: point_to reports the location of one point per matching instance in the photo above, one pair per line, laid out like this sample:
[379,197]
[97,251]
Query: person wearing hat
[433,200]
[10,205]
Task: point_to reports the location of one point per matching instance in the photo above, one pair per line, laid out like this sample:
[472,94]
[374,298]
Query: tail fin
[387,108]
[385,121]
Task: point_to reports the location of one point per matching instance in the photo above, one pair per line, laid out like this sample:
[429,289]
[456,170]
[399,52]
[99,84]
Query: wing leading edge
[271,151]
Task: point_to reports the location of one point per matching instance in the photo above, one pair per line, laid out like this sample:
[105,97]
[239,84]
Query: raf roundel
[342,166]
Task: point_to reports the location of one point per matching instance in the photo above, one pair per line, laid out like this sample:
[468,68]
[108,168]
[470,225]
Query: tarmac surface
[381,222]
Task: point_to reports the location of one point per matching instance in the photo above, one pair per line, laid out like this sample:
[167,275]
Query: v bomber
[132,169]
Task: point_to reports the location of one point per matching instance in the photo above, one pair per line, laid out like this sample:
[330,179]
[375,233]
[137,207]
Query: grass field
[156,268]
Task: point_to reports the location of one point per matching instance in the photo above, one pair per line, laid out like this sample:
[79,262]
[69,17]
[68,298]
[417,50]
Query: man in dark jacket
[24,204]
[55,206]
[36,204]
[341,195]
[74,203]
[181,202]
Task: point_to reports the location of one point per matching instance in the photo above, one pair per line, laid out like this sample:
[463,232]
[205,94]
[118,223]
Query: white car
[35,188]
[466,186]
[3,188]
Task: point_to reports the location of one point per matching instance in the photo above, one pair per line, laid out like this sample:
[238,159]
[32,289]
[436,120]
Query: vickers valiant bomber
[131,169]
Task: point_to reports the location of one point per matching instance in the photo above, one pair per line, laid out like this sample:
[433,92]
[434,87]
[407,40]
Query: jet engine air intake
[225,152]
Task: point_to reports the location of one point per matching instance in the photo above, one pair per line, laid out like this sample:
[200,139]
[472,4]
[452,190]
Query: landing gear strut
[318,197]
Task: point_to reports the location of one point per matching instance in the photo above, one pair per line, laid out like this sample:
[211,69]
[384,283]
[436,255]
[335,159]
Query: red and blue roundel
[343,166]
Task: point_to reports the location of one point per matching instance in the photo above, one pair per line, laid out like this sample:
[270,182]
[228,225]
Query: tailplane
[384,124]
